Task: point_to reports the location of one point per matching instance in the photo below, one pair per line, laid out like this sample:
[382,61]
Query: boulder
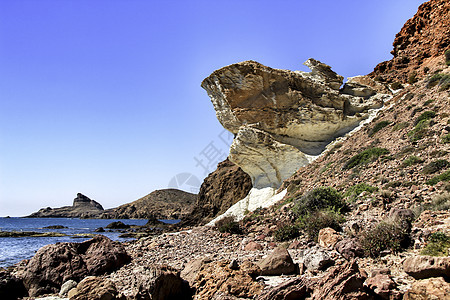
[278,262]
[431,288]
[328,237]
[94,288]
[67,286]
[253,246]
[279,117]
[315,259]
[296,288]
[11,287]
[52,265]
[192,268]
[383,286]
[217,279]
[117,225]
[421,267]
[349,248]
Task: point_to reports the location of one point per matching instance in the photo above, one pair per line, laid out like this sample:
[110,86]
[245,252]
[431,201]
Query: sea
[15,249]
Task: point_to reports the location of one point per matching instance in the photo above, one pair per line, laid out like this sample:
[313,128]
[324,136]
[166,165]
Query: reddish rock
[421,267]
[296,288]
[192,269]
[328,237]
[10,286]
[253,246]
[278,262]
[349,248]
[54,264]
[432,288]
[383,286]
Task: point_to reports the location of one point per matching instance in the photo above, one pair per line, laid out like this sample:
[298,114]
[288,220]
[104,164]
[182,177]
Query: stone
[349,248]
[296,288]
[67,286]
[117,225]
[315,258]
[328,237]
[253,246]
[279,117]
[217,279]
[382,285]
[421,267]
[190,271]
[431,288]
[52,265]
[341,282]
[278,262]
[11,287]
[94,288]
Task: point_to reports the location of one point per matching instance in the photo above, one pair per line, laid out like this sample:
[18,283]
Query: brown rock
[217,278]
[315,258]
[383,286]
[328,237]
[253,246]
[349,248]
[10,286]
[296,288]
[432,288]
[52,265]
[190,271]
[341,282]
[421,267]
[94,288]
[278,262]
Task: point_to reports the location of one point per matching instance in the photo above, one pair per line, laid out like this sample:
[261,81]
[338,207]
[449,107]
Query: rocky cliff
[281,118]
[82,207]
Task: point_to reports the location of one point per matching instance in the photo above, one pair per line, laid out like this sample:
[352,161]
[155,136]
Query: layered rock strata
[281,118]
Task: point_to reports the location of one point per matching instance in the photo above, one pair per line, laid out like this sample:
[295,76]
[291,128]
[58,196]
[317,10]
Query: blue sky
[103,97]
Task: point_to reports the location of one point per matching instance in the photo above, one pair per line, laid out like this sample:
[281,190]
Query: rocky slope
[82,207]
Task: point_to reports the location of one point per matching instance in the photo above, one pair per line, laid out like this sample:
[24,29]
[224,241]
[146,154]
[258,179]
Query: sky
[103,97]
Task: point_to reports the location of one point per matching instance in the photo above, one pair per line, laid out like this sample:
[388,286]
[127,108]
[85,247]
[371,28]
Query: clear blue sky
[103,97]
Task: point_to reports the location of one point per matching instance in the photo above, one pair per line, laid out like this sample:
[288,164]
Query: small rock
[95,288]
[278,262]
[382,285]
[328,237]
[349,248]
[316,259]
[66,287]
[234,265]
[253,246]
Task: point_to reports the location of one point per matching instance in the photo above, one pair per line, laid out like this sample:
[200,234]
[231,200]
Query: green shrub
[357,189]
[438,245]
[428,102]
[286,232]
[400,126]
[445,139]
[380,125]
[442,177]
[314,222]
[390,235]
[412,78]
[427,115]
[396,86]
[412,160]
[228,224]
[419,131]
[435,166]
[365,157]
[439,79]
[439,202]
[318,199]
[447,57]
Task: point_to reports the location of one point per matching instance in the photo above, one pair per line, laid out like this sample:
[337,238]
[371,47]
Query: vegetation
[400,126]
[427,115]
[442,177]
[391,234]
[421,126]
[357,189]
[286,232]
[447,57]
[412,78]
[228,224]
[380,125]
[412,160]
[445,139]
[396,86]
[439,79]
[321,198]
[438,245]
[365,157]
[428,102]
[435,166]
[314,222]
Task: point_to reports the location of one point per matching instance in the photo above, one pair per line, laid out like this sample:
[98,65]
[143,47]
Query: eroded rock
[432,288]
[421,267]
[278,262]
[315,258]
[94,288]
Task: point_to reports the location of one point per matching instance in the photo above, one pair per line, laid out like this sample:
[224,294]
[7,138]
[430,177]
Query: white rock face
[282,117]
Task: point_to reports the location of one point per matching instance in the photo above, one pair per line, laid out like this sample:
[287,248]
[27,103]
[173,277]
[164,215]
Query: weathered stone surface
[341,282]
[54,264]
[421,267]
[253,246]
[219,191]
[67,286]
[432,288]
[278,262]
[192,268]
[349,248]
[117,225]
[278,116]
[315,258]
[383,286]
[217,278]
[11,287]
[328,237]
[296,288]
[95,288]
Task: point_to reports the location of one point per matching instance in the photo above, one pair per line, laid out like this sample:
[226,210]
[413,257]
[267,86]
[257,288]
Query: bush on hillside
[439,79]
[435,166]
[380,125]
[442,177]
[365,157]
[314,222]
[286,233]
[412,160]
[438,245]
[445,139]
[447,57]
[318,199]
[228,224]
[357,189]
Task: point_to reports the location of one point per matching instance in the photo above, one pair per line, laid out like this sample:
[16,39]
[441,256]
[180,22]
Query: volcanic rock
[382,285]
[349,248]
[279,117]
[52,265]
[296,288]
[117,225]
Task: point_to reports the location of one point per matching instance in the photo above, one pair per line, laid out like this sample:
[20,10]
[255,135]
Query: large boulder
[316,258]
[94,288]
[349,248]
[383,286]
[11,287]
[278,262]
[279,117]
[431,288]
[421,267]
[52,265]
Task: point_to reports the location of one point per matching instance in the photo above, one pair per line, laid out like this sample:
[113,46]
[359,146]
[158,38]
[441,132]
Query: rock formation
[280,118]
[82,207]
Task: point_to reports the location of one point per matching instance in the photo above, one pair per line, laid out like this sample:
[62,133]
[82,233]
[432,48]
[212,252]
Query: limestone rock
[432,288]
[328,237]
[52,265]
[421,267]
[95,288]
[278,262]
[315,258]
[279,116]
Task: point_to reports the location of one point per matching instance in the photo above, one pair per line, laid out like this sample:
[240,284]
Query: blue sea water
[13,250]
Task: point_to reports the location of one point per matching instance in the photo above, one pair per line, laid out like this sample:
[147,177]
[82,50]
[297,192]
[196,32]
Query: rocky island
[330,192]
